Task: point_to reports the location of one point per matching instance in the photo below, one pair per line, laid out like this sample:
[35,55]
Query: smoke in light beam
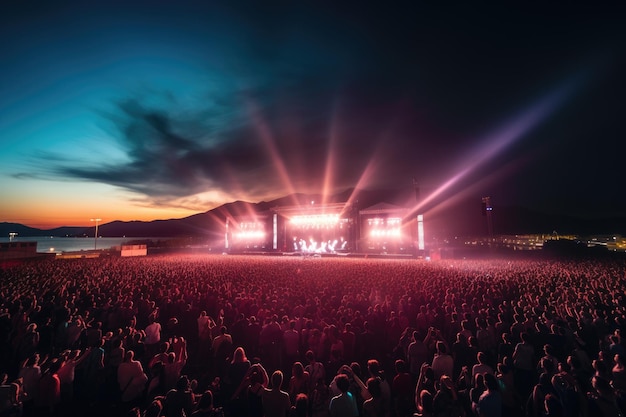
[272,149]
[501,139]
[331,158]
[493,176]
[372,167]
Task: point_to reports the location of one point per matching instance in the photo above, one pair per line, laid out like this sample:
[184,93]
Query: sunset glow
[125,113]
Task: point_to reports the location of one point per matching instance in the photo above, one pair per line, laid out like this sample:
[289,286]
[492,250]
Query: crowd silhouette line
[216,335]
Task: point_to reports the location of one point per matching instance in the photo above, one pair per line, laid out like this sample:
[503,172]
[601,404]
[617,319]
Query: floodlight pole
[487,209]
[95,236]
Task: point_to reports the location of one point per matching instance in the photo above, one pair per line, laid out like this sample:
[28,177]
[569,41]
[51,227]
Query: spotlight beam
[372,166]
[505,171]
[502,138]
[272,149]
[330,160]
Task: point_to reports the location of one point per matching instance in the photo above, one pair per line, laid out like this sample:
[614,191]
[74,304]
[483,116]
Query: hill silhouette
[463,218]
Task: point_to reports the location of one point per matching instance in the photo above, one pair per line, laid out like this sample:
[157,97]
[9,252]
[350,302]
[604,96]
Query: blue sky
[151,110]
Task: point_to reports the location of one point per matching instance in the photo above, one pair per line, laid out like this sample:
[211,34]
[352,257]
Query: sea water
[53,244]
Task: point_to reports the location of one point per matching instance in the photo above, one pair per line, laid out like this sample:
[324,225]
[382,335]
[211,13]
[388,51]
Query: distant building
[17,252]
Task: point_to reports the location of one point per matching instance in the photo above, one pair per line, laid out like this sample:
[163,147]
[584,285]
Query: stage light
[315,220]
[250,235]
[420,231]
[386,233]
[275,231]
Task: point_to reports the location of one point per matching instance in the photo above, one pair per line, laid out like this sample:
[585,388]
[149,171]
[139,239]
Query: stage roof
[383,208]
[312,209]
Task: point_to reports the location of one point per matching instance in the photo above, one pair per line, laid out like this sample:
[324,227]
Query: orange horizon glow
[74,204]
[62,217]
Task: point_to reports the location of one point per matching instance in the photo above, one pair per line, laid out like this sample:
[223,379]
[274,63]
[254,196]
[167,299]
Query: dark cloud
[169,154]
[409,90]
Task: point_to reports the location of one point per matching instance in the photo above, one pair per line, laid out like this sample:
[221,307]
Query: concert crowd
[226,335]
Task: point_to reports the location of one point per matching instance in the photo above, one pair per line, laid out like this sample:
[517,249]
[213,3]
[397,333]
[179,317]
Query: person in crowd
[156,386]
[10,397]
[376,405]
[161,356]
[236,372]
[344,404]
[417,354]
[221,343]
[254,385]
[205,326]
[291,343]
[425,382]
[179,401]
[552,406]
[153,335]
[618,373]
[49,396]
[425,406]
[206,408]
[222,348]
[481,367]
[375,371]
[29,342]
[602,401]
[239,366]
[315,369]
[490,402]
[276,402]
[461,353]
[131,378]
[172,369]
[301,407]
[154,409]
[543,388]
[348,338]
[30,374]
[475,393]
[443,363]
[511,401]
[446,400]
[67,372]
[524,362]
[115,356]
[300,382]
[402,389]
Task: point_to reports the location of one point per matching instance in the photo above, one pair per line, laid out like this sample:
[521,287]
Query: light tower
[487,209]
[420,218]
[416,188]
[95,235]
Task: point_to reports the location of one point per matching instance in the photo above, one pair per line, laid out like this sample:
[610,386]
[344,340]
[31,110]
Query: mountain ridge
[461,219]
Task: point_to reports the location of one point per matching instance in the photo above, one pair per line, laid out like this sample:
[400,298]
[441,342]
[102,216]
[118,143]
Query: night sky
[156,110]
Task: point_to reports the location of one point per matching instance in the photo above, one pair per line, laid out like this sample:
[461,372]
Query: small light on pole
[95,236]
